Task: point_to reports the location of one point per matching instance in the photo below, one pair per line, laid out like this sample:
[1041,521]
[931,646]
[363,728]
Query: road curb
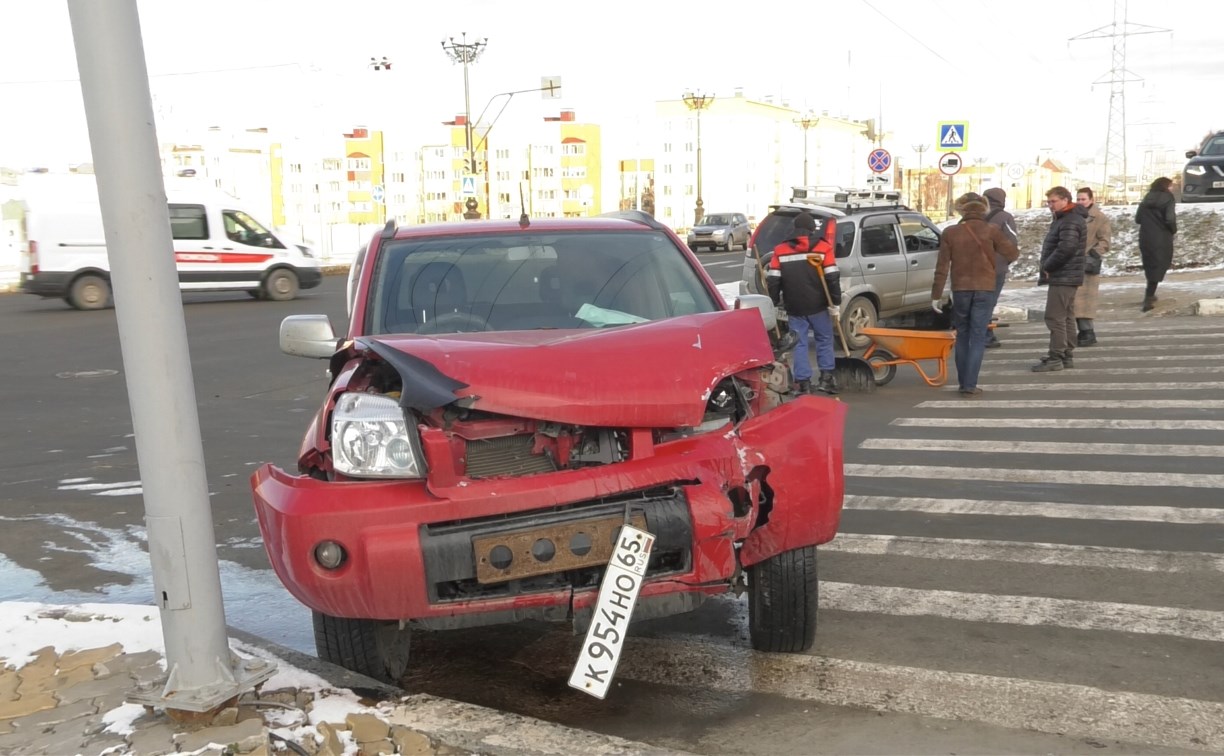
[467,727]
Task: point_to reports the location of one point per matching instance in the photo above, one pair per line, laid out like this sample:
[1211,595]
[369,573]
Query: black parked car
[1203,176]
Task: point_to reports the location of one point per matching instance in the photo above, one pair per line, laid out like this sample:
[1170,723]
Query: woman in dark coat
[1157,221]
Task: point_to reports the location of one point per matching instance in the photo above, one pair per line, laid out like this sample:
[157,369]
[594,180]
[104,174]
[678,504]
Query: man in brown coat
[969,249]
[1099,235]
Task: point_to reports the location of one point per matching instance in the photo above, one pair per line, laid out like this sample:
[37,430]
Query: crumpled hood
[657,374]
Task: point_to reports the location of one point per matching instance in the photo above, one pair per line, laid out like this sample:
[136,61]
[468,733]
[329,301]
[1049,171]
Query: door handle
[871,266]
[913,262]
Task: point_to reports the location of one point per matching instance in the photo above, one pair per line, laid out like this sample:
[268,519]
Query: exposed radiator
[508,455]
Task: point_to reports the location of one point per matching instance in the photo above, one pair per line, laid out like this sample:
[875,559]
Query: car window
[879,236]
[188,222]
[845,240]
[779,227]
[243,229]
[526,281]
[918,236]
[1214,147]
[714,220]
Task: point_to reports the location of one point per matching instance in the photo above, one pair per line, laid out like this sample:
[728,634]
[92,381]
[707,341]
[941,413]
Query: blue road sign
[953,136]
[469,186]
[879,160]
[377,193]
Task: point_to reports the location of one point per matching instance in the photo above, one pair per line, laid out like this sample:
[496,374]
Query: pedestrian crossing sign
[469,186]
[953,136]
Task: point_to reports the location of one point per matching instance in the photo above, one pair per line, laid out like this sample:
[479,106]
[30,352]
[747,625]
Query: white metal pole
[157,365]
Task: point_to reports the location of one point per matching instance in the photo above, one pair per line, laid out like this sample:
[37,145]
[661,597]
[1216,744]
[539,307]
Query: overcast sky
[1008,68]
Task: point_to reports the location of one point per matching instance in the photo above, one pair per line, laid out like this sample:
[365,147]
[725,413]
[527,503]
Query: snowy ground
[1199,244]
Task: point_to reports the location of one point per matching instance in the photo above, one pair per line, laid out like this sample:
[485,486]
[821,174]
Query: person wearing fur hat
[792,276]
[970,251]
[997,216]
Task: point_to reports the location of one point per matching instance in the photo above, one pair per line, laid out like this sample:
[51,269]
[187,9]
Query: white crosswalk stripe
[1053,510]
[1024,610]
[1081,368]
[1063,386]
[1045,477]
[1066,555]
[1042,447]
[1127,338]
[1069,423]
[1085,403]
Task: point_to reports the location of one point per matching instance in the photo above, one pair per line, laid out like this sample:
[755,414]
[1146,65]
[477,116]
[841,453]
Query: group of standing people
[978,249]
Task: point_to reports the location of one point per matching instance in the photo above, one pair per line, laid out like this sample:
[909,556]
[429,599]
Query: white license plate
[618,593]
[1217,184]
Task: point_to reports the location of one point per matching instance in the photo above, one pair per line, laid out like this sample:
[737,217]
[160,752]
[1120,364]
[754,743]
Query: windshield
[1214,147]
[715,220]
[516,282]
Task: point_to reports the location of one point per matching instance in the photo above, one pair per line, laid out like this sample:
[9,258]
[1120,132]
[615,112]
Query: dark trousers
[1060,319]
[971,313]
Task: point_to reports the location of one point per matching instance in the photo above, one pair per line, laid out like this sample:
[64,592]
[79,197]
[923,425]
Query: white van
[218,246]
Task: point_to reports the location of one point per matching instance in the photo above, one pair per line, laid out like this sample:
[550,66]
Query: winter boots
[827,383]
[1149,303]
[1051,363]
[803,387]
[1086,338]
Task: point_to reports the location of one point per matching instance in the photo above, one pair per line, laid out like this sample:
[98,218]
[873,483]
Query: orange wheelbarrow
[891,347]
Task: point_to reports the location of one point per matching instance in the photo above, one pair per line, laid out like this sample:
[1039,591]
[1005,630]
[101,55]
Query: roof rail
[845,199]
[637,216]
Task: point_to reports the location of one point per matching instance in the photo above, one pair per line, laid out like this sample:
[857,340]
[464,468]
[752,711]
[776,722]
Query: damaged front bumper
[437,555]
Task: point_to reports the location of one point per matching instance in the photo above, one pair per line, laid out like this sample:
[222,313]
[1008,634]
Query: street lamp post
[806,122]
[920,148]
[466,52]
[698,102]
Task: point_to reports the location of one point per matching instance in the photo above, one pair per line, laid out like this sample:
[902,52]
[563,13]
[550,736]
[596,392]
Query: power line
[907,33]
[1117,78]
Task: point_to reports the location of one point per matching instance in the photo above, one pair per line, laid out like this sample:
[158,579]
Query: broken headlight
[371,439]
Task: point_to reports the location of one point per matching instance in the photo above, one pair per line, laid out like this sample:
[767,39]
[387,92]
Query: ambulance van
[218,246]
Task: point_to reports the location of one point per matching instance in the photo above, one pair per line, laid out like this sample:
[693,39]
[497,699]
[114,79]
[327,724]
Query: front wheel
[782,593]
[372,648]
[856,316]
[281,286]
[883,373]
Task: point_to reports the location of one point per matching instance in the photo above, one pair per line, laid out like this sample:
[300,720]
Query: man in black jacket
[792,276]
[1062,270]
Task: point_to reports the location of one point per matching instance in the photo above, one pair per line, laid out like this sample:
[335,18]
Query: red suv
[506,397]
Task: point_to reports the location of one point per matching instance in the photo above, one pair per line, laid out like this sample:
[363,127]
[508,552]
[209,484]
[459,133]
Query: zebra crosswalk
[1046,556]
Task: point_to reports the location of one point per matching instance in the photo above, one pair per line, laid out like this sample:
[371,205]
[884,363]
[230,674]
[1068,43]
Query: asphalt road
[1037,570]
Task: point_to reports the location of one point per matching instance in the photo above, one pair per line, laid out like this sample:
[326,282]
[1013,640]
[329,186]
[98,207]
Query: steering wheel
[455,322]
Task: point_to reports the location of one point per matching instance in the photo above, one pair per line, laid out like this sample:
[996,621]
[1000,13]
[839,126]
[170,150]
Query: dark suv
[885,251]
[1203,176]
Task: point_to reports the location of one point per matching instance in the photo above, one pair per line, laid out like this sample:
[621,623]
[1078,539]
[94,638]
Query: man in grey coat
[997,216]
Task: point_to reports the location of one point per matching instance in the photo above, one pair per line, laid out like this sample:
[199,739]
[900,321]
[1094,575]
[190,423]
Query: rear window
[527,281]
[779,227]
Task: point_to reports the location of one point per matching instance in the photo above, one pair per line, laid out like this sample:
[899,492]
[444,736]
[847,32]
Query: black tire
[89,293]
[281,285]
[883,373]
[369,647]
[782,596]
[731,243]
[859,314]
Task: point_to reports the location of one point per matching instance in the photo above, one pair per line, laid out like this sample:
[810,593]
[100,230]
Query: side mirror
[308,336]
[762,303]
[1191,153]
